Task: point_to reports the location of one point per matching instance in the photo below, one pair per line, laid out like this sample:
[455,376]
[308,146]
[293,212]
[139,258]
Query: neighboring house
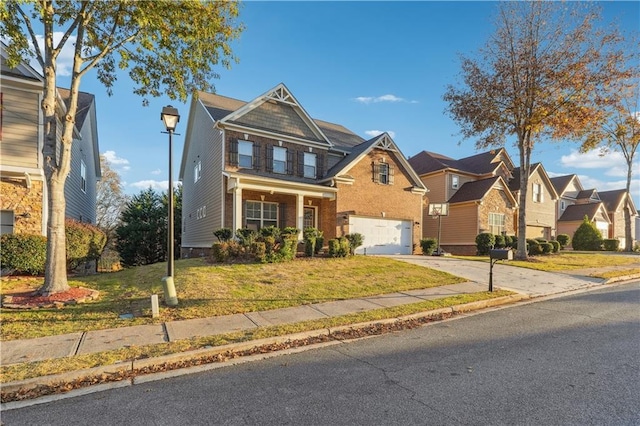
[575,203]
[478,195]
[615,203]
[267,162]
[541,202]
[23,190]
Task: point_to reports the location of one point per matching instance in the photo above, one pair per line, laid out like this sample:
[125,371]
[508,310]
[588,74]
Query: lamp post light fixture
[170,117]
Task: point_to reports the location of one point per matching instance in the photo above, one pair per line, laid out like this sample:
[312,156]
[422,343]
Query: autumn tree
[169,47]
[110,198]
[539,77]
[620,131]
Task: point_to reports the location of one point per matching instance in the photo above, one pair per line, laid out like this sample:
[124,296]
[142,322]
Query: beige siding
[540,215]
[20,128]
[203,202]
[460,227]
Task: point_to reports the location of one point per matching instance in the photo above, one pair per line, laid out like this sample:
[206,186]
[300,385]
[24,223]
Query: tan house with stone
[615,202]
[267,162]
[478,195]
[23,192]
[541,203]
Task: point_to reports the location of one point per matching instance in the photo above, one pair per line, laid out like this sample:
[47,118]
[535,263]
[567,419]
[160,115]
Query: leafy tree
[587,236]
[169,47]
[621,132]
[542,75]
[142,234]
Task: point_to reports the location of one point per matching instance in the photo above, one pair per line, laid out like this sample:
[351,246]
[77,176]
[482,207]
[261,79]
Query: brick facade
[22,200]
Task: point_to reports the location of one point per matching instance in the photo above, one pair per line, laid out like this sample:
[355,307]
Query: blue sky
[370,66]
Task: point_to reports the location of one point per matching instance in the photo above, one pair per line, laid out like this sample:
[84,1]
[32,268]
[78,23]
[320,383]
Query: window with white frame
[197,171]
[260,214]
[245,154]
[309,165]
[279,159]
[455,181]
[83,176]
[496,223]
[7,219]
[562,205]
[383,173]
[537,193]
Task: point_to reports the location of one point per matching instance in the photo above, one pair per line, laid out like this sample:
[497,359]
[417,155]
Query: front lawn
[206,290]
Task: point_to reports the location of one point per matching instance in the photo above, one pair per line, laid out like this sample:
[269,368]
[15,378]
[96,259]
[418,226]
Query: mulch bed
[32,300]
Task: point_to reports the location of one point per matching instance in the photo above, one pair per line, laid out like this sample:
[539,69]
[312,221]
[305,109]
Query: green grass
[206,290]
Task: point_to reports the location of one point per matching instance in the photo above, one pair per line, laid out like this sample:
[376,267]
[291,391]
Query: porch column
[237,208]
[300,214]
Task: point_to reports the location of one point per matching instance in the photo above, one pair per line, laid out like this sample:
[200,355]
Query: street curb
[622,278]
[130,368]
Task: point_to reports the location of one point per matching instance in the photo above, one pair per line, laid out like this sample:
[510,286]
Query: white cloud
[154,184]
[64,62]
[374,133]
[383,98]
[156,172]
[113,159]
[613,162]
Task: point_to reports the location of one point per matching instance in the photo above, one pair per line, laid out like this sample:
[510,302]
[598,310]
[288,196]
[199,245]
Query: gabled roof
[614,200]
[480,164]
[84,103]
[514,183]
[588,194]
[358,152]
[560,183]
[477,190]
[23,70]
[277,110]
[220,108]
[577,212]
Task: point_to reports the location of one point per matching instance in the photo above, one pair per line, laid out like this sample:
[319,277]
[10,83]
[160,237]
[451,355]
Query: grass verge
[24,371]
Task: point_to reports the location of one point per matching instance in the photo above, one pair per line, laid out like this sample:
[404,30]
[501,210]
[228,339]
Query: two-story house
[477,193]
[574,203]
[541,204]
[23,190]
[267,162]
[615,203]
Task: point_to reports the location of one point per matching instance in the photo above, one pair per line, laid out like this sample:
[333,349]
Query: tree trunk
[525,158]
[55,277]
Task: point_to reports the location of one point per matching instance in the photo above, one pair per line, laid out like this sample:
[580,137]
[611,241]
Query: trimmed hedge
[484,243]
[611,244]
[428,245]
[23,253]
[85,242]
[563,239]
[587,236]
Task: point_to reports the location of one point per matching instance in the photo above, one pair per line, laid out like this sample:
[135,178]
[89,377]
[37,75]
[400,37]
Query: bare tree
[167,46]
[110,200]
[540,76]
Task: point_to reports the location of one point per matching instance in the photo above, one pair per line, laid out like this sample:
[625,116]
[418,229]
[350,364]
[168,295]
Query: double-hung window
[197,171]
[260,214]
[383,171]
[279,159]
[83,176]
[496,223]
[309,165]
[455,181]
[245,154]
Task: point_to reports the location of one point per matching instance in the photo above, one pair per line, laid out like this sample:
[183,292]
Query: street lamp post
[170,117]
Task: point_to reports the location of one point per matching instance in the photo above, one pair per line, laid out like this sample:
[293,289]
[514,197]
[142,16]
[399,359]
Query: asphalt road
[568,361]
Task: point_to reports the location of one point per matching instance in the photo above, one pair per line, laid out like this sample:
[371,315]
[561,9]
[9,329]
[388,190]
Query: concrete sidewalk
[529,283]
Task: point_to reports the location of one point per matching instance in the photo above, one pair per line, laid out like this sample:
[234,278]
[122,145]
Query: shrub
[269,231]
[334,247]
[500,241]
[355,241]
[312,238]
[85,242]
[23,253]
[563,239]
[508,240]
[587,236]
[339,247]
[220,252]
[428,245]
[533,247]
[485,242]
[246,236]
[345,248]
[319,243]
[556,246]
[611,244]
[223,234]
[546,247]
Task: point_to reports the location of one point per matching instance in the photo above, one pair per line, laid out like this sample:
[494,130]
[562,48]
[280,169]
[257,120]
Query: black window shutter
[269,158]
[319,166]
[376,172]
[233,153]
[282,215]
[256,156]
[301,163]
[290,160]
[390,171]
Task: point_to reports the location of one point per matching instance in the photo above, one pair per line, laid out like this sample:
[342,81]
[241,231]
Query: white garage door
[382,236]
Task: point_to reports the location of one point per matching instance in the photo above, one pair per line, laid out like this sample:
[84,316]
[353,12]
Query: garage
[382,236]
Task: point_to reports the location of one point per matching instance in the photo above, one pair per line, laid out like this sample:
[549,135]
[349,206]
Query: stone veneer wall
[17,197]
